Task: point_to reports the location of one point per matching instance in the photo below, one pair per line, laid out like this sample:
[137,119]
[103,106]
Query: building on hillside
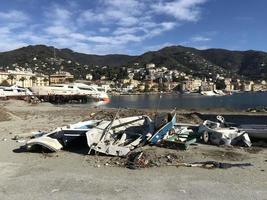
[150,65]
[4,76]
[208,86]
[41,80]
[259,87]
[229,86]
[61,77]
[89,77]
[247,86]
[20,78]
[23,78]
[134,83]
[192,85]
[131,76]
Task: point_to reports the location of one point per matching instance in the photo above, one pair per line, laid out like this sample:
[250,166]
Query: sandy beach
[76,175]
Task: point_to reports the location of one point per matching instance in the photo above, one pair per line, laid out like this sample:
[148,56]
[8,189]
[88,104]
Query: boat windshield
[89,89]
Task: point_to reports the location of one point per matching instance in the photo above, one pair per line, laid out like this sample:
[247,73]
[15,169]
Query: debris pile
[123,136]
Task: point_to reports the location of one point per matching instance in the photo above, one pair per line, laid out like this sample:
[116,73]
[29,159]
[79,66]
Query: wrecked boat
[162,126]
[216,133]
[181,136]
[120,136]
[62,136]
[257,131]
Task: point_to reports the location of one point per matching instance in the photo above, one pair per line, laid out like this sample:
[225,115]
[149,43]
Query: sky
[133,26]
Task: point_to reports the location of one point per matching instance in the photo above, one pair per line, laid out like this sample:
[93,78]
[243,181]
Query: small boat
[209,93]
[163,129]
[217,134]
[258,131]
[219,92]
[62,136]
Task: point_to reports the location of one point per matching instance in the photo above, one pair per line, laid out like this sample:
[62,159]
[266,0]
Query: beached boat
[119,136]
[62,136]
[163,129]
[216,133]
[258,131]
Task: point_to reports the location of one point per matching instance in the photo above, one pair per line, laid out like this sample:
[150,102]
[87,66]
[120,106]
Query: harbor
[236,102]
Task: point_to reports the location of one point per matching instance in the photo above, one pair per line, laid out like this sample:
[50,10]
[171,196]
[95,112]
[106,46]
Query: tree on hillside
[69,80]
[22,79]
[45,80]
[5,83]
[11,78]
[33,78]
[220,85]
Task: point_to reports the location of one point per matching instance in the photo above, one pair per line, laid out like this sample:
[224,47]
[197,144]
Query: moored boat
[71,89]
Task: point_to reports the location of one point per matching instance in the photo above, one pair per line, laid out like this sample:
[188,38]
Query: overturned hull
[61,137]
[44,142]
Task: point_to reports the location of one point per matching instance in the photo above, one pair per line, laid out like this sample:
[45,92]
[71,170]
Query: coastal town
[133,99]
[136,80]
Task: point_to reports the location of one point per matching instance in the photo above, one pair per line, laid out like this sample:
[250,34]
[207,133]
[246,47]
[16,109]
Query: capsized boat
[62,136]
[120,136]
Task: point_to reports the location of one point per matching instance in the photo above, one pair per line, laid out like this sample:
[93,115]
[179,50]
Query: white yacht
[71,89]
[13,91]
[209,93]
[213,93]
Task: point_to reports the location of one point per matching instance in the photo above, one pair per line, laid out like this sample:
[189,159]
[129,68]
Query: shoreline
[75,174]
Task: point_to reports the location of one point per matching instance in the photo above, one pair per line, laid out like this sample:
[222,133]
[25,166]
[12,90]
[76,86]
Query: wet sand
[76,175]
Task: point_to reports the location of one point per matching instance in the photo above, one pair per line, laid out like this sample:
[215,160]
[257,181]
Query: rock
[54,190]
[16,137]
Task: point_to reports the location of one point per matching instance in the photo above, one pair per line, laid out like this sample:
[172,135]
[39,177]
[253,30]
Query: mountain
[250,64]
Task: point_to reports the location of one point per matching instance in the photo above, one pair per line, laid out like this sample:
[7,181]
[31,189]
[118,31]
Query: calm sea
[237,101]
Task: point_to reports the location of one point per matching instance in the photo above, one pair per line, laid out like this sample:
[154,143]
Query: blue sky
[133,26]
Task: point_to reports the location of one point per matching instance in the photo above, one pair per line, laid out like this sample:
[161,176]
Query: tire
[206,137]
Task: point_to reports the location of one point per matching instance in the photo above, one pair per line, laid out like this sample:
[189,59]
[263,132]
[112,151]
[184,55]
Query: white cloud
[104,29]
[157,46]
[109,27]
[183,10]
[120,12]
[13,16]
[200,38]
[58,30]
